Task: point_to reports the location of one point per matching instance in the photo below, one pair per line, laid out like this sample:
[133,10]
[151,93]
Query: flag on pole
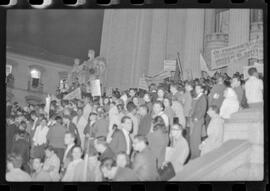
[157,78]
[204,66]
[47,105]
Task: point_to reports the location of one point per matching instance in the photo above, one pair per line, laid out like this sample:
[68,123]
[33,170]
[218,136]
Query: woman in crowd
[158,140]
[52,164]
[214,131]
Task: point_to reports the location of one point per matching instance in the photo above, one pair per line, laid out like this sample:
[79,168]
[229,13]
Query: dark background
[57,35]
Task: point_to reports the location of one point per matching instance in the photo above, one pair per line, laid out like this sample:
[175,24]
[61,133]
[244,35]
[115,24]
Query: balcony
[38,89]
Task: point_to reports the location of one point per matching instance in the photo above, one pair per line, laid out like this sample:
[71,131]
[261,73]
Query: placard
[74,94]
[169,65]
[95,88]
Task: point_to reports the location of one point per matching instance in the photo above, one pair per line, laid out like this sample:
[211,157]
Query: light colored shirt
[254,90]
[69,175]
[40,136]
[17,175]
[54,163]
[41,176]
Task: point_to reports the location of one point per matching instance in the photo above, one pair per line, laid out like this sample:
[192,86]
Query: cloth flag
[143,84]
[74,94]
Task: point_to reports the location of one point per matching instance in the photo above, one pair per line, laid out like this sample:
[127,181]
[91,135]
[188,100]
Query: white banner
[47,105]
[95,88]
[225,56]
[204,66]
[74,94]
[169,65]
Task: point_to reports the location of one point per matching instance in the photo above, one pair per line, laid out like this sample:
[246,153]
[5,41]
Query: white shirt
[254,90]
[17,175]
[40,136]
[69,175]
[126,134]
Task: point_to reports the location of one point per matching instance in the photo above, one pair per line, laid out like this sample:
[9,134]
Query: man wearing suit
[70,126]
[144,163]
[121,141]
[197,119]
[70,144]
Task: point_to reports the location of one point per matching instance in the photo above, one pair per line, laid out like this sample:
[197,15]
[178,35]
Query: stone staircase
[240,158]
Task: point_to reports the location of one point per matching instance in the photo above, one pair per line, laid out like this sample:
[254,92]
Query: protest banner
[169,65]
[258,66]
[47,105]
[74,94]
[95,88]
[225,56]
[143,84]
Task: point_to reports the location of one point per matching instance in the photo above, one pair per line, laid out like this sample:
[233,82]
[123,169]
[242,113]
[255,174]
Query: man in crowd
[216,94]
[70,126]
[144,163]
[132,113]
[197,119]
[39,174]
[52,163]
[56,136]
[145,121]
[121,140]
[158,110]
[11,130]
[254,87]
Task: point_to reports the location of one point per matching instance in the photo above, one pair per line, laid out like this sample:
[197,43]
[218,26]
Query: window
[35,78]
[222,21]
[8,69]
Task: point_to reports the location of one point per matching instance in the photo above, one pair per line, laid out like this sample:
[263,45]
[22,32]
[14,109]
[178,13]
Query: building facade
[136,42]
[30,80]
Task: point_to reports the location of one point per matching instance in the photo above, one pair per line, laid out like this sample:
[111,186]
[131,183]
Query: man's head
[167,102]
[236,81]
[108,168]
[253,72]
[143,110]
[22,126]
[37,163]
[132,92]
[59,119]
[147,97]
[160,92]
[76,152]
[139,142]
[131,107]
[33,115]
[158,107]
[126,123]
[93,116]
[135,100]
[79,111]
[66,119]
[69,138]
[122,160]
[188,86]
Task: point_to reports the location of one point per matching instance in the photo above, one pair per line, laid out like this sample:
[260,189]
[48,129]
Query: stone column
[238,33]
[125,44]
[158,40]
[194,32]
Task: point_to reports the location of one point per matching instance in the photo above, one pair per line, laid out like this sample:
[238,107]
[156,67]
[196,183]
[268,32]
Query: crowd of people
[126,136]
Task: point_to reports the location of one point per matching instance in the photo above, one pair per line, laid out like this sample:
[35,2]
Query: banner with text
[225,56]
[74,94]
[169,65]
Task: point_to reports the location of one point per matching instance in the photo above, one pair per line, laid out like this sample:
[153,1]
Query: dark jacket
[108,153]
[118,143]
[145,125]
[125,174]
[56,136]
[144,165]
